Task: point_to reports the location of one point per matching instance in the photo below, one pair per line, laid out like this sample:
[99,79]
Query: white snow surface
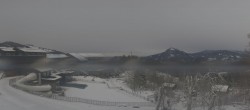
[13,99]
[44,49]
[85,56]
[89,79]
[100,91]
[88,54]
[118,83]
[56,56]
[79,56]
[33,49]
[7,49]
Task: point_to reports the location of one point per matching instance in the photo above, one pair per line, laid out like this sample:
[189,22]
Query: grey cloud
[122,26]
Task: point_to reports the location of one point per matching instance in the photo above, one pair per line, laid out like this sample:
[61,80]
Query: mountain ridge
[169,56]
[225,56]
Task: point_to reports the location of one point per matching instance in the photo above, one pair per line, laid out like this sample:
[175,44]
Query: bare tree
[166,90]
[191,89]
[200,87]
[209,97]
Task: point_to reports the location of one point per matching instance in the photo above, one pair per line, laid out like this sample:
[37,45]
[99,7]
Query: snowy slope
[100,91]
[13,99]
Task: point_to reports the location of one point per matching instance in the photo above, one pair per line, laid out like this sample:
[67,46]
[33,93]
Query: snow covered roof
[7,49]
[220,88]
[87,54]
[169,85]
[64,72]
[44,49]
[53,77]
[44,69]
[56,56]
[79,56]
[32,50]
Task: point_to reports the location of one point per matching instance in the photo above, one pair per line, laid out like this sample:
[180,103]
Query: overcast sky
[121,26]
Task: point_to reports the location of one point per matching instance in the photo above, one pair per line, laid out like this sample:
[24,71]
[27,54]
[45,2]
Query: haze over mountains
[170,56]
[173,55]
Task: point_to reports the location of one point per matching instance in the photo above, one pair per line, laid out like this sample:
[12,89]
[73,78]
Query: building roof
[52,78]
[7,49]
[56,56]
[32,50]
[220,88]
[169,85]
[44,69]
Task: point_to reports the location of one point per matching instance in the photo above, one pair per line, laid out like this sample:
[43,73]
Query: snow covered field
[114,83]
[13,99]
[89,79]
[100,91]
[117,83]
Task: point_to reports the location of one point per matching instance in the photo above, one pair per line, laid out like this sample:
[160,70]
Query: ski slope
[13,99]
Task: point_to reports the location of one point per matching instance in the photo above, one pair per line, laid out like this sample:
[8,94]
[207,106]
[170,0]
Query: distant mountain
[171,55]
[175,56]
[218,55]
